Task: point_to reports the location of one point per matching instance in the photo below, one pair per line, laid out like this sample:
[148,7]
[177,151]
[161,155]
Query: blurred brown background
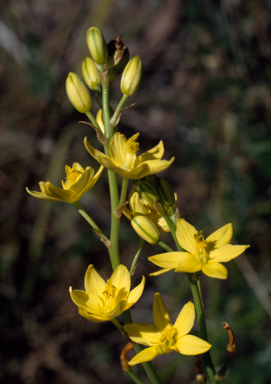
[206,93]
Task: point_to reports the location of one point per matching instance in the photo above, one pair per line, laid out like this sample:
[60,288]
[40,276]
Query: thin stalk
[165,246]
[118,325]
[115,116]
[123,191]
[134,377]
[137,255]
[93,120]
[112,178]
[86,216]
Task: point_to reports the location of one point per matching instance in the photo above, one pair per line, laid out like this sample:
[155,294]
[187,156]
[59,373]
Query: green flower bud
[97,45]
[147,191]
[131,76]
[91,74]
[166,193]
[78,93]
[145,228]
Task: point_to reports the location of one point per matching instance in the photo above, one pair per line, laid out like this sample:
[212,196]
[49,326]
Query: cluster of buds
[149,199]
[106,62]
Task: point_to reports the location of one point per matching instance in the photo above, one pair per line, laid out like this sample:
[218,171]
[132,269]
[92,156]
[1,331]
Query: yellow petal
[222,236]
[185,234]
[83,183]
[192,345]
[89,317]
[118,149]
[145,334]
[188,264]
[121,278]
[161,317]
[155,153]
[59,193]
[169,260]
[41,195]
[86,301]
[186,319]
[160,272]
[227,253]
[147,354]
[136,293]
[93,282]
[216,270]
[163,349]
[150,167]
[106,161]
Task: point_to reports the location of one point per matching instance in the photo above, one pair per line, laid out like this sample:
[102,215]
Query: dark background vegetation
[206,93]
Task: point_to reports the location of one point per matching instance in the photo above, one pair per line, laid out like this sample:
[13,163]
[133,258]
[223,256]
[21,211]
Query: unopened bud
[97,45]
[131,76]
[78,93]
[91,74]
[145,228]
[99,118]
[166,193]
[148,192]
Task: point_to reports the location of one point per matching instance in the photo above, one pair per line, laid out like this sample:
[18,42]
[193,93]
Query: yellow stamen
[109,294]
[201,245]
[132,145]
[73,174]
[169,336]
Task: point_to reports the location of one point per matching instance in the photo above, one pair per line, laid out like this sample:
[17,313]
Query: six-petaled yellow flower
[123,159]
[78,181]
[202,255]
[163,337]
[103,301]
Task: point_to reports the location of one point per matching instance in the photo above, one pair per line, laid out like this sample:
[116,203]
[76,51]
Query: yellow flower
[202,255]
[163,337]
[103,301]
[123,159]
[78,181]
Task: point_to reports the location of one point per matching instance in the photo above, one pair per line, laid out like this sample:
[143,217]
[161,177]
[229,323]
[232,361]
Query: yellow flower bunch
[152,212]
[78,182]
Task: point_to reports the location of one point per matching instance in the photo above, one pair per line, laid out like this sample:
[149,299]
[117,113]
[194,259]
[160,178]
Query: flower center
[169,336]
[132,146]
[109,294]
[73,174]
[201,245]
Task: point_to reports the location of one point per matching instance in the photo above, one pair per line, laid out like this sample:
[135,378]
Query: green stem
[86,216]
[112,178]
[165,246]
[134,377]
[118,325]
[115,117]
[123,191]
[93,120]
[137,255]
